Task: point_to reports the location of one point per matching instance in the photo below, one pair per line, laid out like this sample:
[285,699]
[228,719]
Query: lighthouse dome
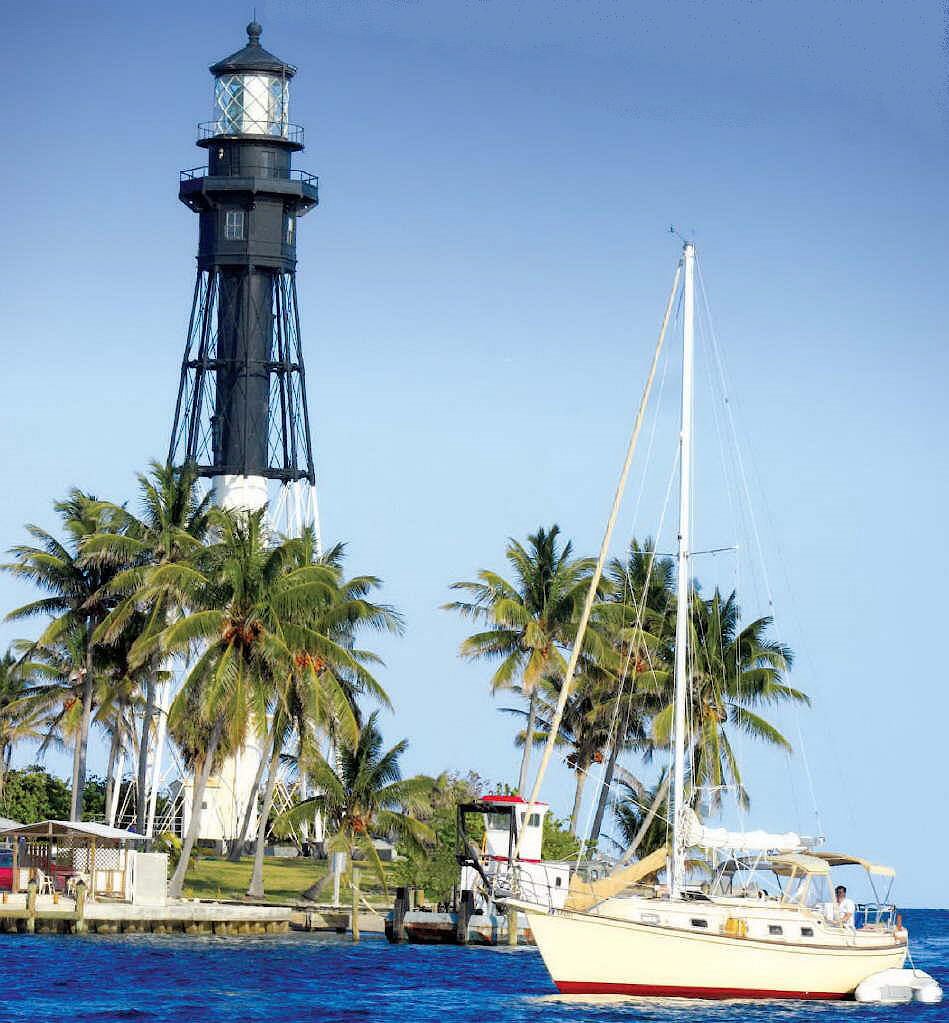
[252,90]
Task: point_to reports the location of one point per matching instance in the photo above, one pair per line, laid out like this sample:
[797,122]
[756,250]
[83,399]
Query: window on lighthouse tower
[234,225]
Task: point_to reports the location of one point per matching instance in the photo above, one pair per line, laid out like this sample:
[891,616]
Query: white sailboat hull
[589,954]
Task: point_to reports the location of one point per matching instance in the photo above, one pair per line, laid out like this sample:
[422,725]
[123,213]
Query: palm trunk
[577,801]
[5,764]
[657,801]
[141,796]
[354,875]
[110,771]
[256,889]
[194,825]
[237,846]
[528,744]
[82,743]
[604,793]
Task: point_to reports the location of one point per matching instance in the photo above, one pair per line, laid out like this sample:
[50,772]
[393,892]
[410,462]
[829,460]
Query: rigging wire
[743,476]
[628,591]
[601,558]
[640,607]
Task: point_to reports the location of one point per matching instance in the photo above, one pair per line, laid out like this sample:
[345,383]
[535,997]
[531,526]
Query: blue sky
[480,291]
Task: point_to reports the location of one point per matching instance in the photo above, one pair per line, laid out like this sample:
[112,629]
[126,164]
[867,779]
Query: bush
[33,794]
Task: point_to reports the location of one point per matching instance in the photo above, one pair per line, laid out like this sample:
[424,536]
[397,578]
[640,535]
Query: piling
[511,925]
[79,925]
[465,913]
[355,887]
[31,907]
[398,933]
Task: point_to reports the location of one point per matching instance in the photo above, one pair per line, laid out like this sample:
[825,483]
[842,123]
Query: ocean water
[281,979]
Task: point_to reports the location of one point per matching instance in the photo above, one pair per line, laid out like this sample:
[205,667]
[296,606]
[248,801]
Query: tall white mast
[677,869]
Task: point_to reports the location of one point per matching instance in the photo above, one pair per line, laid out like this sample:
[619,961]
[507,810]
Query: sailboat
[758,930]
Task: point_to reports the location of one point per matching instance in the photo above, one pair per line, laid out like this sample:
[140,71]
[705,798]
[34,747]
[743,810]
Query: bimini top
[843,860]
[60,829]
[799,863]
[253,58]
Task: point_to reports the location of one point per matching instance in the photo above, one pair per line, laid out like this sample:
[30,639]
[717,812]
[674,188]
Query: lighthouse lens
[252,105]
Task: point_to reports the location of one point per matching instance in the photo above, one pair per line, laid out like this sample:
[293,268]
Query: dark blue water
[306,977]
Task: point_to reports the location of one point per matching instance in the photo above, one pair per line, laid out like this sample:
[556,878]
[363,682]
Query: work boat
[758,929]
[485,864]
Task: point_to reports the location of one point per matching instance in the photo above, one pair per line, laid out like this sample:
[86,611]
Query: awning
[60,829]
[798,863]
[843,860]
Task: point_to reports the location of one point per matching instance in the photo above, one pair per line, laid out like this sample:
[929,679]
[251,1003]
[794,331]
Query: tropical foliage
[529,621]
[263,635]
[621,702]
[262,632]
[361,797]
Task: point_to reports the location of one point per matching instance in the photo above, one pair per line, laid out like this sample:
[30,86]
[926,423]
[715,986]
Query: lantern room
[252,94]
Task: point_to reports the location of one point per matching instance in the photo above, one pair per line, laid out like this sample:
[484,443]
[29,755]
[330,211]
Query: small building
[59,854]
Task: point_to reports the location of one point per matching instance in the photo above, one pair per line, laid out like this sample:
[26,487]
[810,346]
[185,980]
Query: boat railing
[525,885]
[875,915]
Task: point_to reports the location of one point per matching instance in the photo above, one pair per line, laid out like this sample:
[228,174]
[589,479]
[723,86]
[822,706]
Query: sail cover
[739,841]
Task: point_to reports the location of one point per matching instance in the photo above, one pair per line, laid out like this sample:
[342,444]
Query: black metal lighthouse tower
[241,415]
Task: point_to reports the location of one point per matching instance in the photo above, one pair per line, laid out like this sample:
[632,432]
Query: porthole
[775,929]
[807,932]
[699,922]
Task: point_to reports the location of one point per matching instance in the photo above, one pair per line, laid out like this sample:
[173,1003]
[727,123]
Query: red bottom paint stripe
[581,987]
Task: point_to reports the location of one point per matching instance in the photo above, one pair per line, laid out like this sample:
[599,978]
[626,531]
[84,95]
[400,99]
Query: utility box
[149,878]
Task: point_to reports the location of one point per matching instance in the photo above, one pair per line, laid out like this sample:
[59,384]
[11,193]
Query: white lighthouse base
[240,493]
[293,508]
[226,796]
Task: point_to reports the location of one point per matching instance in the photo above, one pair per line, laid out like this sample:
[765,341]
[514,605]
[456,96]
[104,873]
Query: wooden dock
[30,913]
[337,919]
[422,925]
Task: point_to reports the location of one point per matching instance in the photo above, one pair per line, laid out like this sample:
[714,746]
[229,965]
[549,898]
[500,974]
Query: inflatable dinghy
[899,986]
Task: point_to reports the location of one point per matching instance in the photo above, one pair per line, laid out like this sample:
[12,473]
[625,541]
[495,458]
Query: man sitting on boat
[841,910]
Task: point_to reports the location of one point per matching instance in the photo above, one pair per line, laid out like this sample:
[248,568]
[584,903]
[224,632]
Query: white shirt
[836,912]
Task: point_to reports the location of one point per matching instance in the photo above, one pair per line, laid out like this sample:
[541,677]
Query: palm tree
[171,528]
[365,795]
[313,697]
[77,595]
[639,609]
[22,715]
[246,595]
[733,672]
[530,621]
[641,829]
[584,728]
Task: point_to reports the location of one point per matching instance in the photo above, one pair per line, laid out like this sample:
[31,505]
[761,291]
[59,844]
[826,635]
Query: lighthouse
[241,413]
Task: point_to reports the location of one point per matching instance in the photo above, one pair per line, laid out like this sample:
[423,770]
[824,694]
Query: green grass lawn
[214,877]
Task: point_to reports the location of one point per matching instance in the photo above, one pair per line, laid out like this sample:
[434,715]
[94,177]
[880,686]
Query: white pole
[677,870]
[117,773]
